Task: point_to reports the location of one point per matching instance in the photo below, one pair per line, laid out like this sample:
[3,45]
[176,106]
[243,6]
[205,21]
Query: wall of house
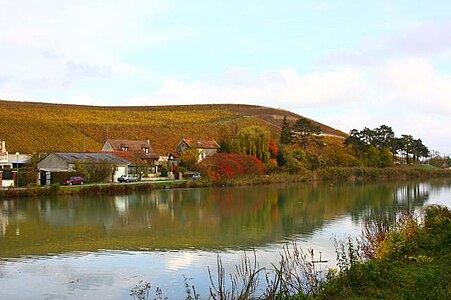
[3,155]
[182,147]
[107,147]
[120,171]
[206,152]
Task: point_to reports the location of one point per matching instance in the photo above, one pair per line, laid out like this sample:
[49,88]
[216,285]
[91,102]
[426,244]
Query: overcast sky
[348,64]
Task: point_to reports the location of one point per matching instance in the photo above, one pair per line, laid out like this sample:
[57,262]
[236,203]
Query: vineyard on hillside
[37,127]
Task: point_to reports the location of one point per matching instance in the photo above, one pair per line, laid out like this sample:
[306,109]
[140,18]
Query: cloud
[413,85]
[420,40]
[408,94]
[287,88]
[53,44]
[182,261]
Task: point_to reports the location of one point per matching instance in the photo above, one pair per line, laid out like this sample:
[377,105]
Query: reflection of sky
[440,196]
[111,274]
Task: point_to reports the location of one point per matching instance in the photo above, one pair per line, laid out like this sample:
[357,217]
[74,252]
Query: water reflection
[217,218]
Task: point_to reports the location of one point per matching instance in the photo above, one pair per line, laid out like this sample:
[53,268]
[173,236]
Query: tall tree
[355,139]
[419,150]
[383,136]
[395,146]
[306,133]
[407,146]
[253,140]
[286,136]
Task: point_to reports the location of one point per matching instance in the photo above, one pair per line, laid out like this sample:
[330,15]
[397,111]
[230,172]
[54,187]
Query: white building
[4,157]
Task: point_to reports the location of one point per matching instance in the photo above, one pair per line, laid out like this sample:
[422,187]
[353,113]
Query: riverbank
[411,262]
[331,175]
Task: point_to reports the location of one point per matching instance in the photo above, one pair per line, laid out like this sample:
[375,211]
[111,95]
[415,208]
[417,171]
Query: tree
[395,146]
[286,135]
[253,140]
[355,139]
[95,171]
[224,147]
[406,146]
[189,158]
[383,136]
[306,133]
[419,150]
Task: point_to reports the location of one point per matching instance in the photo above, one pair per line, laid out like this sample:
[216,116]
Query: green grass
[414,264]
[428,167]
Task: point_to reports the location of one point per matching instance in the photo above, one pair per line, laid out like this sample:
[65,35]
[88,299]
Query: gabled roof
[201,144]
[133,146]
[72,157]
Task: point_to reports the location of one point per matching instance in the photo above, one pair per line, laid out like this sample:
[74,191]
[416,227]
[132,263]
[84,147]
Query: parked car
[196,176]
[128,178]
[74,180]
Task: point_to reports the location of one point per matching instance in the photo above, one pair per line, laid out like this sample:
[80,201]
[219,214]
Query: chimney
[148,142]
[3,147]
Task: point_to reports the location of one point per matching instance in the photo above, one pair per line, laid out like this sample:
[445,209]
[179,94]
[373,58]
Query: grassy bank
[334,174]
[411,262]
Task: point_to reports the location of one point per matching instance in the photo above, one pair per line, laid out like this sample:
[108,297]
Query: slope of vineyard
[30,127]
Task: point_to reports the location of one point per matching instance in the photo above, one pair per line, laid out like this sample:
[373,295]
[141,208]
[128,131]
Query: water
[100,247]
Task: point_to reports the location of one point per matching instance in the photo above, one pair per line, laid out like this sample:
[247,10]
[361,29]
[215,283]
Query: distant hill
[30,127]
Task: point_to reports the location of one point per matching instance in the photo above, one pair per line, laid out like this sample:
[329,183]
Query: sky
[347,64]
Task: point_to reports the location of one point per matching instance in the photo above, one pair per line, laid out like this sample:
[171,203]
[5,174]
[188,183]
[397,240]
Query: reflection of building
[4,221]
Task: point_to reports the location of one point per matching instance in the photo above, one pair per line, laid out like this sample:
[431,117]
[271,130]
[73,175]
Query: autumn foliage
[221,167]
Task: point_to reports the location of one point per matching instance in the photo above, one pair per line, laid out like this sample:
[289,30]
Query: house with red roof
[204,147]
[141,155]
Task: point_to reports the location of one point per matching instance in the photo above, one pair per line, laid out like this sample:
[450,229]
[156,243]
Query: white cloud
[286,88]
[419,40]
[182,261]
[408,94]
[50,44]
[413,85]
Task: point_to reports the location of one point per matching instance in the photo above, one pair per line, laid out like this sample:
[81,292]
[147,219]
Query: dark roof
[135,147]
[72,157]
[202,144]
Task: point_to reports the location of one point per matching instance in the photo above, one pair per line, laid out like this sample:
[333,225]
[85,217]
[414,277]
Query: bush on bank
[223,167]
[411,262]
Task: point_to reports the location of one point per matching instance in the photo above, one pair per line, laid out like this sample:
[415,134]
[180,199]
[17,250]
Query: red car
[74,180]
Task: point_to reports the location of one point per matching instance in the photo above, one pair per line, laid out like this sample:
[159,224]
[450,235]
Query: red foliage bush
[223,166]
[273,149]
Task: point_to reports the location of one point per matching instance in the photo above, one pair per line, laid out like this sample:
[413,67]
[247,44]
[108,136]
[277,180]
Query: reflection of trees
[199,218]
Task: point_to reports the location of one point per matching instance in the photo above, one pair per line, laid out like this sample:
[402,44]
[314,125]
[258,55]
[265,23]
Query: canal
[75,247]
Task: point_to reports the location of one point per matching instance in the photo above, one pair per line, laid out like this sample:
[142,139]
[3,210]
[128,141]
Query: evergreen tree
[305,132]
[286,136]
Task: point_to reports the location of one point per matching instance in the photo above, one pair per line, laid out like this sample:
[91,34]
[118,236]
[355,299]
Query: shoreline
[334,174]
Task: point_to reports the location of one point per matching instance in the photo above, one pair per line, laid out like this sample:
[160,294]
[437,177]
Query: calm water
[100,247]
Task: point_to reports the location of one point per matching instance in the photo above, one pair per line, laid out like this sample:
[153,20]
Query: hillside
[30,127]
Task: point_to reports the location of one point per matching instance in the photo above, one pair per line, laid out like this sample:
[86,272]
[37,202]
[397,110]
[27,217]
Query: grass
[412,262]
